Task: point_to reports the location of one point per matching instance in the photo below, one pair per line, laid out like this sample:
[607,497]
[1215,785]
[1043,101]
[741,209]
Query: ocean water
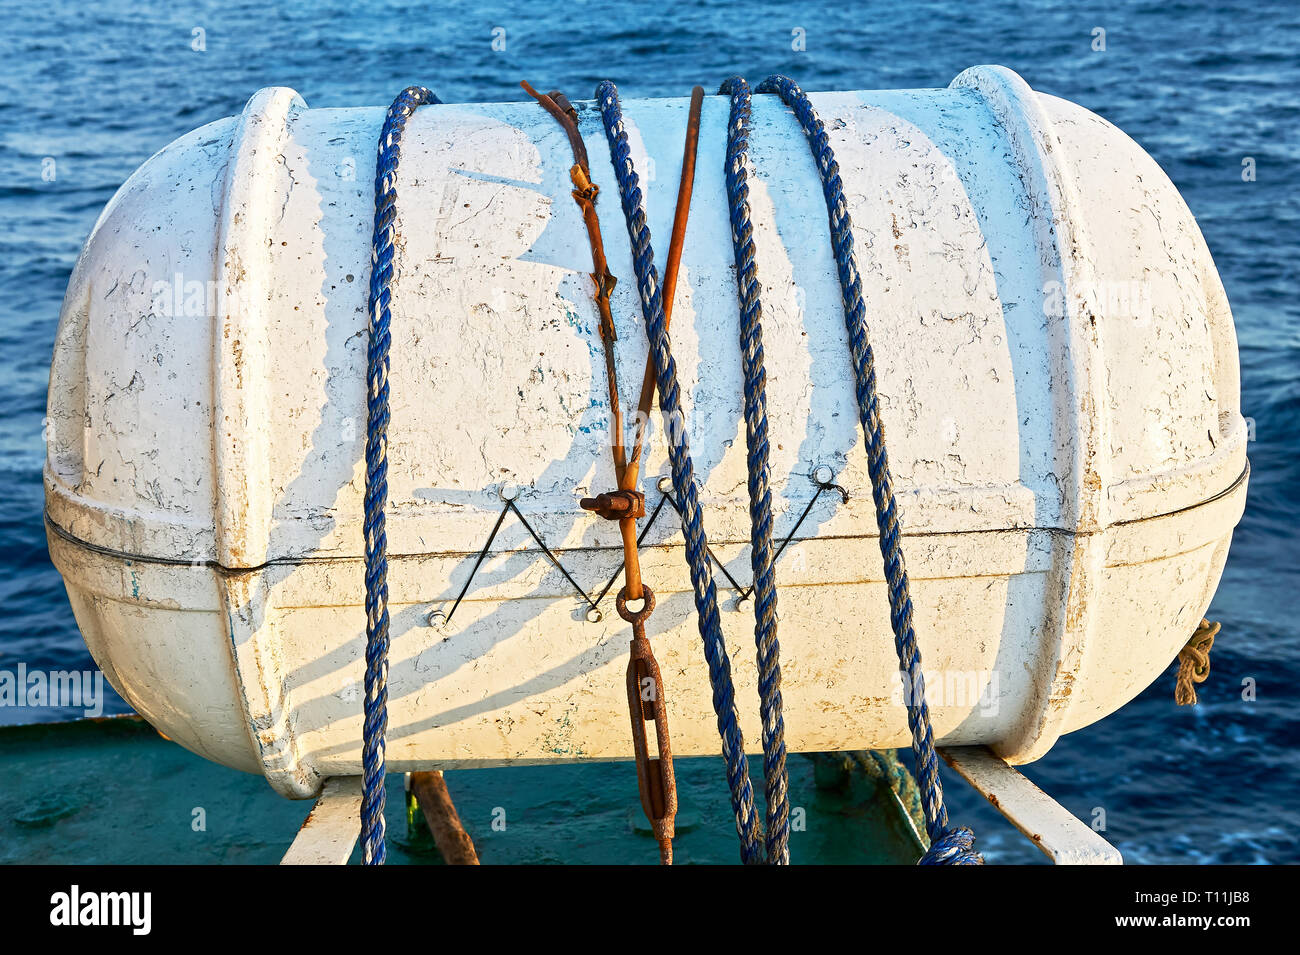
[90,91]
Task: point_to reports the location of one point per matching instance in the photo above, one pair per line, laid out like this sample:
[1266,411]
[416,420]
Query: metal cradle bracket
[329,833]
[1063,838]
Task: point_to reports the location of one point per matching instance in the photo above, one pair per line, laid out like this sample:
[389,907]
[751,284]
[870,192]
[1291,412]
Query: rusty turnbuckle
[645,693]
[645,701]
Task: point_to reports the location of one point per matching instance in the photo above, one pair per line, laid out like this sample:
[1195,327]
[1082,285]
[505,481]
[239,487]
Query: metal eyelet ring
[635,616]
[823,474]
[665,484]
[594,615]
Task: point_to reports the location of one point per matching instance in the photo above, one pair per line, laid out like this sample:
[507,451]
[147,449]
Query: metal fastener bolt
[508,491]
[436,619]
[615,505]
[823,474]
[665,484]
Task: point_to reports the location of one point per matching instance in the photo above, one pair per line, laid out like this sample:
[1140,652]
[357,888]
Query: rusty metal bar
[453,841]
[685,187]
[584,193]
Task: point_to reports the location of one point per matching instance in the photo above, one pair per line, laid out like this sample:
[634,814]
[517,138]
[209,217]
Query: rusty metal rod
[584,193]
[684,189]
[453,841]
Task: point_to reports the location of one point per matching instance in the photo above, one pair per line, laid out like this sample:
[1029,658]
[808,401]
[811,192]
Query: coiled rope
[381,277]
[1194,663]
[947,846]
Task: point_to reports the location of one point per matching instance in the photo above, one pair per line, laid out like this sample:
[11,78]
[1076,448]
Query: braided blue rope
[947,846]
[775,777]
[683,475]
[381,276]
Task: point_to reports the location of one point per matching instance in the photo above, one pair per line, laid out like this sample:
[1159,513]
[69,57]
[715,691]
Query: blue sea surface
[97,88]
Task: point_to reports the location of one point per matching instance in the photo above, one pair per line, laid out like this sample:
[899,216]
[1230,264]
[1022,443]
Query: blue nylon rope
[776,780]
[683,476]
[381,277]
[947,846]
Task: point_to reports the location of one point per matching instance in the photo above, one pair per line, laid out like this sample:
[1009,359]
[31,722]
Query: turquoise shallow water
[1199,85]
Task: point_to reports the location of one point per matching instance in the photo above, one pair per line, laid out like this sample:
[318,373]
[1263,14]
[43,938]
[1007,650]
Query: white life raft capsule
[1057,370]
